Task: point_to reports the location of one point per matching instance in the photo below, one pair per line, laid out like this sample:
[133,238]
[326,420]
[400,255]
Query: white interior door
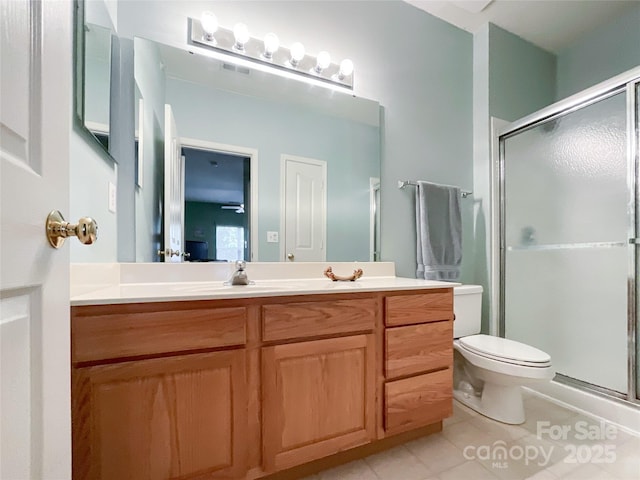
[173,190]
[35,124]
[305,206]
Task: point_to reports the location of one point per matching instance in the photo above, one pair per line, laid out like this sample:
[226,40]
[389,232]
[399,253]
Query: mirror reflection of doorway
[304,209]
[217,205]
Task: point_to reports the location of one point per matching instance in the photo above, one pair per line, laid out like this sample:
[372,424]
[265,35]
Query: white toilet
[489,371]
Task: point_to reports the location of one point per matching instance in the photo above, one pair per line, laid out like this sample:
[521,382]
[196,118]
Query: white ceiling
[551,24]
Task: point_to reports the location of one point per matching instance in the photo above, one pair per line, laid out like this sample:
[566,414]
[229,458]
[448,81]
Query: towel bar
[404,183]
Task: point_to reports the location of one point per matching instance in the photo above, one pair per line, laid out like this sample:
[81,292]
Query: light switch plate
[112,198]
[272,237]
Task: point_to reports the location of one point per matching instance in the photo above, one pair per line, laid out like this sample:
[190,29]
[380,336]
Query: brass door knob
[58,229]
[290,256]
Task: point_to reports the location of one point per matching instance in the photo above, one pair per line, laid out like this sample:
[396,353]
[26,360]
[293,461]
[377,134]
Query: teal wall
[481,169]
[512,78]
[521,76]
[425,85]
[91,171]
[601,54]
[122,144]
[201,220]
[151,83]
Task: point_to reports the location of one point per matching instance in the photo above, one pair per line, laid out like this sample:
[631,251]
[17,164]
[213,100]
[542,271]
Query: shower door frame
[627,83]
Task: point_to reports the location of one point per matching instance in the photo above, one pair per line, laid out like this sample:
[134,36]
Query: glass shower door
[635,149]
[566,222]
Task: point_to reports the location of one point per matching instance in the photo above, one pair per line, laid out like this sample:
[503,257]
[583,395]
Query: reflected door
[305,205]
[173,190]
[566,227]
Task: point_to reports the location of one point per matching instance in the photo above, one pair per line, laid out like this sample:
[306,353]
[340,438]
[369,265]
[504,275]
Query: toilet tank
[467,306]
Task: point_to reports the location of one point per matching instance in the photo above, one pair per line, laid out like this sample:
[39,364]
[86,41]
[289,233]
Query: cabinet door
[318,399]
[159,419]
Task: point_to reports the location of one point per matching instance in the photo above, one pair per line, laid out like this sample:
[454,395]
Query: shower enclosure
[569,234]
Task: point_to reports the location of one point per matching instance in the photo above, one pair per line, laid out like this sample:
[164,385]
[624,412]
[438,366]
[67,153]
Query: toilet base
[498,402]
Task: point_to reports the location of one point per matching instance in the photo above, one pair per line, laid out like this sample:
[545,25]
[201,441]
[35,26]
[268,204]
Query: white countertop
[118,292]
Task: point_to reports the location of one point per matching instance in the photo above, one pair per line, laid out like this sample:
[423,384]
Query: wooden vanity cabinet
[240,389]
[147,412]
[318,394]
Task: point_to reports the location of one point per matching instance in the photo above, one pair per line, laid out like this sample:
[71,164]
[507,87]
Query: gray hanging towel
[439,231]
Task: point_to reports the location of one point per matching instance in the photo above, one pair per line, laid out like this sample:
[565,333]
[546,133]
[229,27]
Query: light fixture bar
[254,50]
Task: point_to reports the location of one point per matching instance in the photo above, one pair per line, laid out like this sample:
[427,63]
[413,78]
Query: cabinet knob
[58,230]
[290,256]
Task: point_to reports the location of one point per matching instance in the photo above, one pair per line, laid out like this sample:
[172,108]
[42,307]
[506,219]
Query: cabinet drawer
[309,319]
[419,308]
[120,335]
[418,348]
[417,401]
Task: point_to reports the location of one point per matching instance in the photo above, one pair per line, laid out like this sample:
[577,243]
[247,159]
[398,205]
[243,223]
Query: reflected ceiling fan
[238,207]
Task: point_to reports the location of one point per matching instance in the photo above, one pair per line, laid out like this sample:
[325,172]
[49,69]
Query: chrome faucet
[239,277]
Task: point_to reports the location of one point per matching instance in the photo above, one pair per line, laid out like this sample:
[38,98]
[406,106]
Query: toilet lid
[502,348]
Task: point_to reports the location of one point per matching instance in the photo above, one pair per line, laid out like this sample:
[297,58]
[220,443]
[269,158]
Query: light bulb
[346,68]
[271,45]
[297,53]
[241,34]
[323,61]
[209,24]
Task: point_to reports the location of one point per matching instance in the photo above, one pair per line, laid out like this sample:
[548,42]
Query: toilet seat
[505,350]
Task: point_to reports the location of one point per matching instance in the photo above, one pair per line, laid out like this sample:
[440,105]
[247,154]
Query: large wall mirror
[236,163]
[249,139]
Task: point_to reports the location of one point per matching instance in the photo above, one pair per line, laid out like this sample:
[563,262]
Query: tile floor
[554,443]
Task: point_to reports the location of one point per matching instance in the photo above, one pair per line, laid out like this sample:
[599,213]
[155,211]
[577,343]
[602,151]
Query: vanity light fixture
[296,54]
[346,69]
[209,25]
[241,36]
[322,62]
[271,45]
[238,46]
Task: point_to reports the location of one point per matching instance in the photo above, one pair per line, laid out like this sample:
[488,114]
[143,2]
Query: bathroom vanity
[176,380]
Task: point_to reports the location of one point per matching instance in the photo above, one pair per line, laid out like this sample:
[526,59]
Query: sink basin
[220,287]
